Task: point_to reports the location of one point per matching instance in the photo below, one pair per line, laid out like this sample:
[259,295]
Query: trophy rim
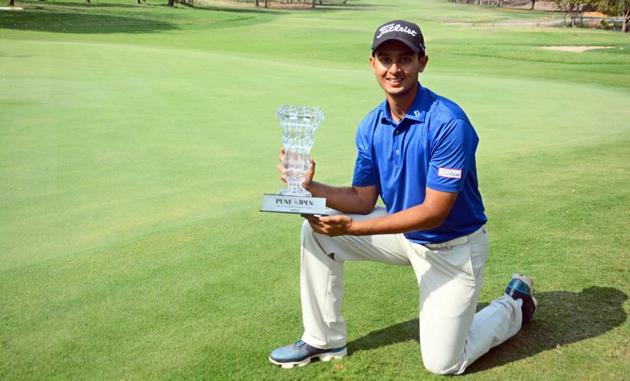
[314,112]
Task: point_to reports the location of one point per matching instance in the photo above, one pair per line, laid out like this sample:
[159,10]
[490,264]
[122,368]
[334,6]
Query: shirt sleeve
[452,156]
[365,173]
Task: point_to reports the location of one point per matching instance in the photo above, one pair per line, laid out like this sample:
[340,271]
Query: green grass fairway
[136,143]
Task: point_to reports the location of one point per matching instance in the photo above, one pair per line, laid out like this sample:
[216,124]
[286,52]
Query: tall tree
[572,8]
[619,8]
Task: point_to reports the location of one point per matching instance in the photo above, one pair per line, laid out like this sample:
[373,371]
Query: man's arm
[428,215]
[356,200]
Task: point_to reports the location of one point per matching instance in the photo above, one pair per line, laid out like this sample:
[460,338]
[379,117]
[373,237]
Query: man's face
[397,67]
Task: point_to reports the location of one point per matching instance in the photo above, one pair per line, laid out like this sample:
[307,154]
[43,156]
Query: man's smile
[395,81]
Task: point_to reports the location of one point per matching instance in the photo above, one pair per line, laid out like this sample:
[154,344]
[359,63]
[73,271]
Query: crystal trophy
[299,124]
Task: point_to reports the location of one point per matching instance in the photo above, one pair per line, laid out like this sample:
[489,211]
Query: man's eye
[385,60]
[405,60]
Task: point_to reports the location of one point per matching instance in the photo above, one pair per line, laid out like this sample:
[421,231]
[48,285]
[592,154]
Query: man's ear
[424,60]
[373,63]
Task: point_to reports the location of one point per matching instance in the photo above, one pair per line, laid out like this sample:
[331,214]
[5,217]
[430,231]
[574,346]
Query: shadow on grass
[562,318]
[79,22]
[67,17]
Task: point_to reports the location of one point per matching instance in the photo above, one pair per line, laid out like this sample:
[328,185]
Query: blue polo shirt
[432,146]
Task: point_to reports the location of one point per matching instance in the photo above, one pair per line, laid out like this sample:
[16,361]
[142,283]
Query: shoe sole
[327,356]
[530,282]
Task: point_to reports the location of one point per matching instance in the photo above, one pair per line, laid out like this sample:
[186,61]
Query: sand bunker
[574,49]
[11,9]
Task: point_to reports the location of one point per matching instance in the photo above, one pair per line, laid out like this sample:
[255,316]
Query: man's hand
[282,168]
[331,225]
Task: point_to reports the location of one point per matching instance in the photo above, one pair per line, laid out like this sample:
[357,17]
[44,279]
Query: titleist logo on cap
[396,28]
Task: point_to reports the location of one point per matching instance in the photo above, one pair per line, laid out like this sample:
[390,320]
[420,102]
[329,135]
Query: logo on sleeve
[450,173]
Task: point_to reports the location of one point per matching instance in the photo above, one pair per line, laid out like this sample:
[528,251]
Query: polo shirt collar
[416,112]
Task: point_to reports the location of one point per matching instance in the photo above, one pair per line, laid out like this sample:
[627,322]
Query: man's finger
[311,218]
[316,227]
[330,219]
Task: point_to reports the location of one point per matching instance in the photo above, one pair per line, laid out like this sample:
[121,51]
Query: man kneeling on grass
[416,150]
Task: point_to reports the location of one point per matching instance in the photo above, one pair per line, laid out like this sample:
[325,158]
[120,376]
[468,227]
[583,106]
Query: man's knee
[442,365]
[314,243]
[307,230]
[309,238]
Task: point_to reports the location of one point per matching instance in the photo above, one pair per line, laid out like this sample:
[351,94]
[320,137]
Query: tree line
[574,9]
[614,8]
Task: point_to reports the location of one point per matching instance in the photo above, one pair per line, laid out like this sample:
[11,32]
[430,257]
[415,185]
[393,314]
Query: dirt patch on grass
[574,49]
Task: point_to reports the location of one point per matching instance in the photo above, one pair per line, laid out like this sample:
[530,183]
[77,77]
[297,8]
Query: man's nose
[395,67]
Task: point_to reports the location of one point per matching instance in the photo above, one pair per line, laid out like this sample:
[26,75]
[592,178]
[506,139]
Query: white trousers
[450,276]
